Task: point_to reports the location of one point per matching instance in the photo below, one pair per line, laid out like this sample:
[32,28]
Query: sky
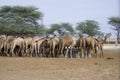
[73,11]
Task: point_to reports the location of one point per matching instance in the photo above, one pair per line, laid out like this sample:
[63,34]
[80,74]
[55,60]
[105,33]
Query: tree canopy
[19,20]
[61,28]
[90,27]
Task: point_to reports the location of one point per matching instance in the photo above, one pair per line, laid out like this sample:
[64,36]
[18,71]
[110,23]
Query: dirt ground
[26,68]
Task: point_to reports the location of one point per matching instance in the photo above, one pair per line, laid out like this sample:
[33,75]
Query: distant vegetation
[19,20]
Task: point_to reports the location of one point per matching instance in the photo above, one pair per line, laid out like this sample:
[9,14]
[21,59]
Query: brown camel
[28,45]
[35,46]
[45,47]
[39,46]
[66,43]
[90,46]
[93,45]
[8,45]
[81,44]
[99,45]
[54,42]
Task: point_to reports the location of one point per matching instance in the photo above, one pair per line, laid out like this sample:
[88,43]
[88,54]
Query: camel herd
[85,47]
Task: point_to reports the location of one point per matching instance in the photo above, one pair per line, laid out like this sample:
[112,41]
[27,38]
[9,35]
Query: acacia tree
[61,29]
[19,20]
[90,27]
[115,22]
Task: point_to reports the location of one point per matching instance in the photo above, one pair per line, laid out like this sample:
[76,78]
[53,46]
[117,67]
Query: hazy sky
[73,11]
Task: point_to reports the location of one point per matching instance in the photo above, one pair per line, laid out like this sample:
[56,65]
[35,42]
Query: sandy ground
[26,68]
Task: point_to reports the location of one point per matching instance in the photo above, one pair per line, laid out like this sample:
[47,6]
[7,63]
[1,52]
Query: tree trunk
[118,36]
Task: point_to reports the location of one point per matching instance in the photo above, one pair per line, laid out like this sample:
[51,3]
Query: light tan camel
[54,42]
[81,44]
[18,42]
[8,45]
[66,42]
[2,42]
[28,45]
[94,44]
[90,45]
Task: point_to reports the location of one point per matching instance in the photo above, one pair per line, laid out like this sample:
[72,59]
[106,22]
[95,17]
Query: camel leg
[85,54]
[26,50]
[40,51]
[82,53]
[19,51]
[101,55]
[53,52]
[78,53]
[50,53]
[12,50]
[1,54]
[56,52]
[89,53]
[36,50]
[22,52]
[66,53]
[71,56]
[6,51]
[44,52]
[95,50]
[32,51]
[0,51]
[62,50]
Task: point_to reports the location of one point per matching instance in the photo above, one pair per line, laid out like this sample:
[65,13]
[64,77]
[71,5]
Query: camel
[81,44]
[99,45]
[39,44]
[90,45]
[45,47]
[28,45]
[67,43]
[53,45]
[18,42]
[8,45]
[2,42]
[36,46]
[93,45]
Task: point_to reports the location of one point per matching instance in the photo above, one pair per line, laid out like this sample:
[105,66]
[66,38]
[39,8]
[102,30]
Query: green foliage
[90,27]
[68,27]
[53,28]
[61,28]
[19,20]
[115,21]
[41,29]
